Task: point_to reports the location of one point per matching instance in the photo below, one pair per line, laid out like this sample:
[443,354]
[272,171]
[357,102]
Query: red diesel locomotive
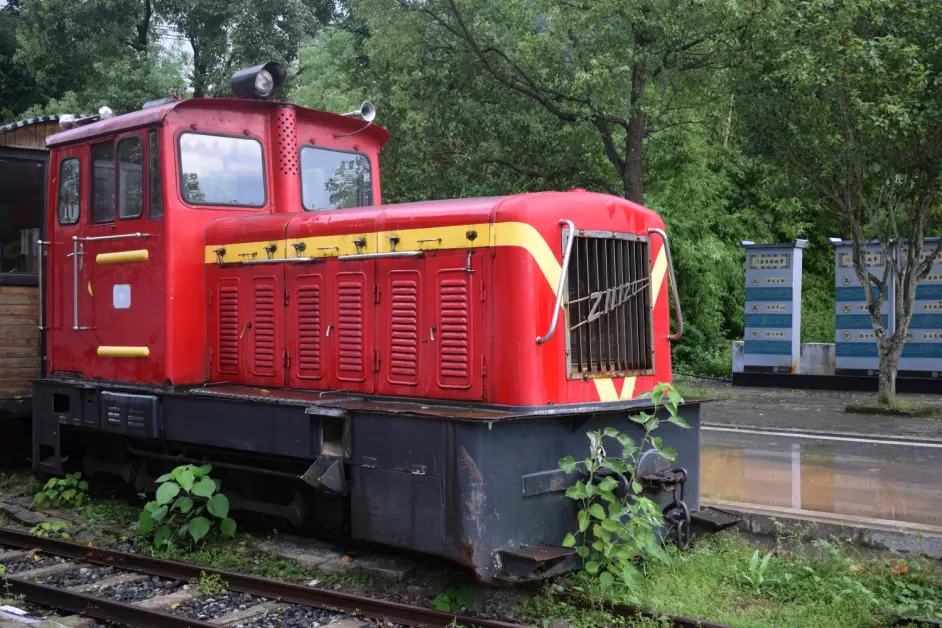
[222,283]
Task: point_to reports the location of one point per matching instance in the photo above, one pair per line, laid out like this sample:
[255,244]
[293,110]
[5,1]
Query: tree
[227,35]
[848,96]
[625,68]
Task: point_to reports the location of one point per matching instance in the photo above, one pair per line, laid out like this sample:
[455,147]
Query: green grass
[831,586]
[692,391]
[900,407]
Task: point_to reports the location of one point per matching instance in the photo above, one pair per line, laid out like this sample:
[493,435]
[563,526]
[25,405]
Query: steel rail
[100,608]
[262,587]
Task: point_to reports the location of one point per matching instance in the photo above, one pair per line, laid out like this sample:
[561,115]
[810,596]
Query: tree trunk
[887,379]
[199,71]
[633,173]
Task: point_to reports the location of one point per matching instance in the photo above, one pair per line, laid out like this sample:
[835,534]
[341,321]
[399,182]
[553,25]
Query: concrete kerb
[882,534]
[832,433]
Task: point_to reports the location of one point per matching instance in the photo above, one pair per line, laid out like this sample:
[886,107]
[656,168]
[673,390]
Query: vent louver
[404,335]
[229,328]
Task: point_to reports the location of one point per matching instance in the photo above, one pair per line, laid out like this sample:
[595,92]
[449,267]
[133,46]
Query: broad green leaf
[583,518]
[204,488]
[597,531]
[164,478]
[636,488]
[577,491]
[597,511]
[183,504]
[597,546]
[83,485]
[679,420]
[569,541]
[610,525]
[198,527]
[668,453]
[160,513]
[68,494]
[641,417]
[657,442]
[626,441]
[592,567]
[167,492]
[675,397]
[567,464]
[629,575]
[203,470]
[186,480]
[582,552]
[218,506]
[145,523]
[608,484]
[162,535]
[151,506]
[658,552]
[611,432]
[228,527]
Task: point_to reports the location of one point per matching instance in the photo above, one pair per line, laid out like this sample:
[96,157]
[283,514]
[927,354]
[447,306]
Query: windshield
[332,179]
[219,170]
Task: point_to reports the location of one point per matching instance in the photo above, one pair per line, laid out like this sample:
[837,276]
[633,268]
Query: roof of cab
[156,115]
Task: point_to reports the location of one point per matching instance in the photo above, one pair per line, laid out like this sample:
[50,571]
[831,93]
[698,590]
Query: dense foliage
[680,104]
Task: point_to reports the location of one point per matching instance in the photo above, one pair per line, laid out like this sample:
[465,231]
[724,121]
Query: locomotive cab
[225,285]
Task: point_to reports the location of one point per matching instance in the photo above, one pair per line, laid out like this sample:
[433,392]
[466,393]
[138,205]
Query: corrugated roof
[12,126]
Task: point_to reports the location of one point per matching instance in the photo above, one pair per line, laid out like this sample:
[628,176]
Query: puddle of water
[895,487]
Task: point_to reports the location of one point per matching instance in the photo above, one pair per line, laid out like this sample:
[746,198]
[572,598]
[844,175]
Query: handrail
[42,303]
[394,254]
[78,262]
[562,282]
[673,282]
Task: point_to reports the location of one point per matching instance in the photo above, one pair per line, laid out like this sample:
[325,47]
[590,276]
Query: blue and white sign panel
[772,342]
[922,353]
[855,343]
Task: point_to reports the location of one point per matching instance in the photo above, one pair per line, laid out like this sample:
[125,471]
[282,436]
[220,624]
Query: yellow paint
[245,251]
[123,352]
[436,238]
[500,234]
[121,257]
[90,292]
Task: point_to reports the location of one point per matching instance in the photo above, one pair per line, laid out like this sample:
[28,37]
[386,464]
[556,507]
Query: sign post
[772,342]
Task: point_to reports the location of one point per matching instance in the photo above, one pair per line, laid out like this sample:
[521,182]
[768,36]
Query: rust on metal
[664,480]
[261,587]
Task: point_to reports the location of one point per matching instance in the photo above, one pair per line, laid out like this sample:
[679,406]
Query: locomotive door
[402,332]
[330,322]
[68,306]
[455,294]
[122,263]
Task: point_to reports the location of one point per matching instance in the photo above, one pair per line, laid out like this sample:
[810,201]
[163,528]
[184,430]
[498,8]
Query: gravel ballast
[136,591]
[31,562]
[294,616]
[212,606]
[80,576]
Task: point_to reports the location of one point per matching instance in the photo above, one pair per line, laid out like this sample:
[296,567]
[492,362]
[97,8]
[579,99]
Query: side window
[103,182]
[130,177]
[154,184]
[69,193]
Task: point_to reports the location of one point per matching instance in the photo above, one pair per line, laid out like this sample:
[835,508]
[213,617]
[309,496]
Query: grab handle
[679,317]
[562,282]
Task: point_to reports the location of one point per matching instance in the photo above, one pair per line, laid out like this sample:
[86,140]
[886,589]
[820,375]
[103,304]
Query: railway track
[119,588]
[116,587]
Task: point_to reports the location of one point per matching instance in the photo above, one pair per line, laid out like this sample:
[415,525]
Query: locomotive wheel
[678,517]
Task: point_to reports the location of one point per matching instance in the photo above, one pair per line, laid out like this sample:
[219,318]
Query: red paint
[390,333]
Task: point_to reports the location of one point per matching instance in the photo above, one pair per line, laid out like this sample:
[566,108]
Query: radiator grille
[609,304]
[263,327]
[350,339]
[454,319]
[229,328]
[309,331]
[404,335]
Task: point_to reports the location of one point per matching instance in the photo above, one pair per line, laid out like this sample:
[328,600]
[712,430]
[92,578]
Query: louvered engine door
[249,323]
[403,348]
[329,326]
[454,298]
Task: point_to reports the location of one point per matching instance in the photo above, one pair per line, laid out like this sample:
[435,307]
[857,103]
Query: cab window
[69,191]
[332,179]
[130,177]
[103,182]
[221,170]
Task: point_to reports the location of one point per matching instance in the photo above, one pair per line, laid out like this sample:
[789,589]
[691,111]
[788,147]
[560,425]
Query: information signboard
[922,353]
[855,345]
[772,342]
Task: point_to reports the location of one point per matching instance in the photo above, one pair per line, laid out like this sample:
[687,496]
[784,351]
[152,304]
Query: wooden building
[23,172]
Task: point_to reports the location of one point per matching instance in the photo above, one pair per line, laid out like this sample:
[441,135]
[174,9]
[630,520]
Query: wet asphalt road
[850,476]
